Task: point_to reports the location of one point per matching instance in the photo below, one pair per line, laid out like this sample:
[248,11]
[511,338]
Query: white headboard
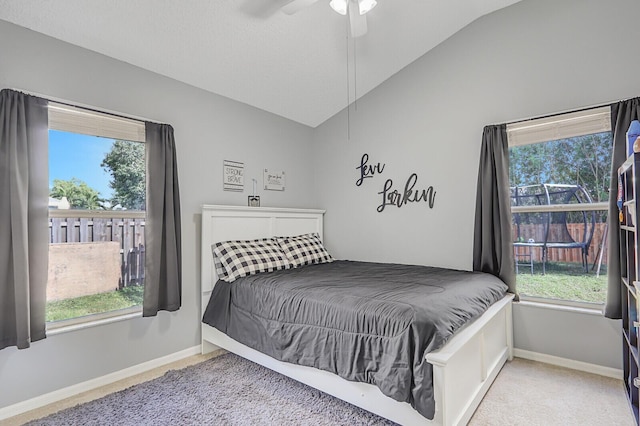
[223,223]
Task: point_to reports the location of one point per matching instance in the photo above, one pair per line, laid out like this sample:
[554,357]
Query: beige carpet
[531,393]
[525,393]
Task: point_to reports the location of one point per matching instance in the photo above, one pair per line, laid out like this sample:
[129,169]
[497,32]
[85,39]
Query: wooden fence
[85,226]
[576,231]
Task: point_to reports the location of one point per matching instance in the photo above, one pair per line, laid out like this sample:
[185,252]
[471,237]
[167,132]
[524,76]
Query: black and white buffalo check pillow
[304,249]
[235,259]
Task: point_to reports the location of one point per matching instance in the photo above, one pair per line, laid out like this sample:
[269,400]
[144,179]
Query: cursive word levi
[409,195]
[366,170]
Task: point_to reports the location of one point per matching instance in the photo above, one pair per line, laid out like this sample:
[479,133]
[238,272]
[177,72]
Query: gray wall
[533,58]
[208,130]
[574,335]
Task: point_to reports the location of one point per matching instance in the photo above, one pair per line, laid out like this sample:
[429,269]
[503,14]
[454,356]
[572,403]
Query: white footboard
[465,367]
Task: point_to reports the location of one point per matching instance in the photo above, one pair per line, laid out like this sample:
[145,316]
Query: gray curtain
[24,199]
[163,257]
[493,242]
[622,114]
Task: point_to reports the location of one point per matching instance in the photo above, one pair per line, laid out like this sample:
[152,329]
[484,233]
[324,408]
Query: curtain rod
[524,120]
[87,107]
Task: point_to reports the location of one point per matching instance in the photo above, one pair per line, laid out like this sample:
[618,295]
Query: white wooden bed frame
[463,369]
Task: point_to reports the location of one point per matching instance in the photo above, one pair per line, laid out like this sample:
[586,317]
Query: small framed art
[274,180]
[232,176]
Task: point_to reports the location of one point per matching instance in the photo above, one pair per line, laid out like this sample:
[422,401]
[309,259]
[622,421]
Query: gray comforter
[366,322]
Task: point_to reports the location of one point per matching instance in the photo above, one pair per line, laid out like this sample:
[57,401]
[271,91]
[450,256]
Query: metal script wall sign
[391,196]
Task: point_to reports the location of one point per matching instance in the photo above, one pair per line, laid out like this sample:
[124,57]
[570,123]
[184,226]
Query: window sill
[74,324]
[563,305]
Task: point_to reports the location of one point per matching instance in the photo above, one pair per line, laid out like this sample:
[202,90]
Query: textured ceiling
[248,50]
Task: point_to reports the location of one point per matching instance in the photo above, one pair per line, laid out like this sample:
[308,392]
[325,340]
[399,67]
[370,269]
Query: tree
[583,160]
[78,193]
[126,164]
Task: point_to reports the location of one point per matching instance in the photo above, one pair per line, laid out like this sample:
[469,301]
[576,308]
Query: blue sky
[74,155]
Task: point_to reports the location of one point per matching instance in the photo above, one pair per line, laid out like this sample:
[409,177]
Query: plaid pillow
[242,258]
[220,271]
[304,249]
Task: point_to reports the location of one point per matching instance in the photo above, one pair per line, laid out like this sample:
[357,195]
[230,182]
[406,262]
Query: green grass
[566,281]
[94,304]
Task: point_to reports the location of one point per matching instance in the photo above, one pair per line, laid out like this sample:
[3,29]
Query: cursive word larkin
[409,195]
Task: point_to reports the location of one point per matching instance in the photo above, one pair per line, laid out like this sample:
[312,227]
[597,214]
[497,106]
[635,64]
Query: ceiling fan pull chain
[355,75]
[348,91]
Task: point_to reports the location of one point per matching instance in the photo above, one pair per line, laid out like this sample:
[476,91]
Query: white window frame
[72,119]
[552,128]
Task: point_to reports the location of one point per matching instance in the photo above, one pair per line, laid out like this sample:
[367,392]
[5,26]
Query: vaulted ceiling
[302,66]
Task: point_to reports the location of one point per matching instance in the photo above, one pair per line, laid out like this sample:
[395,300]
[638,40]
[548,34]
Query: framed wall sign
[232,176]
[274,180]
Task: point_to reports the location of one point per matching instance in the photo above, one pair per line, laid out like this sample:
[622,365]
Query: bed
[462,370]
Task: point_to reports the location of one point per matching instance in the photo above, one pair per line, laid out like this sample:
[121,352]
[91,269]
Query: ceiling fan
[356,9]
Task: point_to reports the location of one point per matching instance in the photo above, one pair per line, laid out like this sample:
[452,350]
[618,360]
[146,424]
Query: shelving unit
[629,174]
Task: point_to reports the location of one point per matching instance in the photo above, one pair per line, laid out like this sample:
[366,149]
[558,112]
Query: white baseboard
[60,394]
[569,363]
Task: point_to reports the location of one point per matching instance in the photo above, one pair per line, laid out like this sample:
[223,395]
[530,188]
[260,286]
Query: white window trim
[583,207]
[121,214]
[596,309]
[79,323]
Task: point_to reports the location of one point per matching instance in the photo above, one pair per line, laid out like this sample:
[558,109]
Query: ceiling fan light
[339,6]
[366,5]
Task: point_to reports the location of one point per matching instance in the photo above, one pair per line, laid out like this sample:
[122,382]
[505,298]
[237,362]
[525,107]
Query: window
[96,215]
[559,173]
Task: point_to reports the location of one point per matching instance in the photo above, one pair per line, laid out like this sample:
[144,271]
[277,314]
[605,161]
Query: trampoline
[550,230]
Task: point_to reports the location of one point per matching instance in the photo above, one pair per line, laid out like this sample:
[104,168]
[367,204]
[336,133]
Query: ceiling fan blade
[296,6]
[357,22]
